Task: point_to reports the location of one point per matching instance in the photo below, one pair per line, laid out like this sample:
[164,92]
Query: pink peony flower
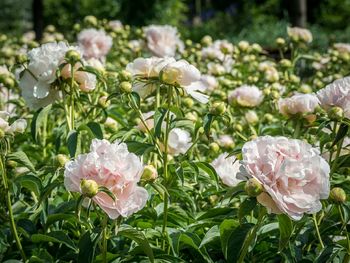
[247,96]
[299,103]
[227,169]
[163,41]
[336,94]
[112,166]
[294,175]
[95,43]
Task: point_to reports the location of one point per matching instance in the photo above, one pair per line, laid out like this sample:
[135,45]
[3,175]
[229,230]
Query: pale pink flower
[163,41]
[115,25]
[247,96]
[299,34]
[86,81]
[227,169]
[336,94]
[342,47]
[148,117]
[298,103]
[294,175]
[225,141]
[112,166]
[95,43]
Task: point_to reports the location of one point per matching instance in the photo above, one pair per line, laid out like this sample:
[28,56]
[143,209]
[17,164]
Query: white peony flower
[299,34]
[298,103]
[95,43]
[36,81]
[336,94]
[247,96]
[179,141]
[18,126]
[227,169]
[163,41]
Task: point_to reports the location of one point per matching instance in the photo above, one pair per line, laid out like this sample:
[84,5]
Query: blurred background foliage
[258,21]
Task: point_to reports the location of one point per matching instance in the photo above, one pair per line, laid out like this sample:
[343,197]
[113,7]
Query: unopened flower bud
[89,188]
[188,102]
[102,101]
[2,133]
[11,164]
[149,173]
[125,75]
[268,117]
[72,56]
[21,58]
[253,187]
[9,82]
[218,108]
[206,40]
[61,159]
[337,195]
[243,45]
[335,113]
[90,20]
[286,63]
[126,87]
[214,147]
[280,41]
[238,127]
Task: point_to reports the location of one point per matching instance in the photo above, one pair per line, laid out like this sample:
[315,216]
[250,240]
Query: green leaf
[135,99]
[328,254]
[212,235]
[192,240]
[38,121]
[209,170]
[55,237]
[87,246]
[139,148]
[51,219]
[232,236]
[159,116]
[31,182]
[246,207]
[207,122]
[72,142]
[139,238]
[286,230]
[343,130]
[21,158]
[96,129]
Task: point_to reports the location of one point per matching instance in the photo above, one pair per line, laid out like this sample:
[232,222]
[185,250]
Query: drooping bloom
[298,103]
[110,165]
[247,96]
[18,126]
[336,94]
[294,175]
[95,43]
[36,80]
[227,169]
[179,141]
[163,41]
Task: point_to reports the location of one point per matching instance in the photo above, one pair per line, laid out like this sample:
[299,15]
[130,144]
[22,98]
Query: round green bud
[149,173]
[11,164]
[337,195]
[335,113]
[218,108]
[9,82]
[286,63]
[72,55]
[61,159]
[125,75]
[102,101]
[89,188]
[2,133]
[253,187]
[280,42]
[206,40]
[238,127]
[21,58]
[200,130]
[188,102]
[126,87]
[90,20]
[268,117]
[214,147]
[275,94]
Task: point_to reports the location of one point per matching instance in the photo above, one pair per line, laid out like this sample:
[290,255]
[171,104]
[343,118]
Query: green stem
[335,162]
[344,226]
[104,240]
[9,207]
[252,235]
[165,164]
[297,128]
[317,230]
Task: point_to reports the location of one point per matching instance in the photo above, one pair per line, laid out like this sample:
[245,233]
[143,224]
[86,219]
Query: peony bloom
[336,94]
[299,103]
[247,96]
[226,141]
[95,43]
[227,169]
[149,120]
[179,141]
[187,76]
[294,175]
[115,25]
[299,34]
[112,166]
[251,117]
[36,80]
[209,82]
[342,47]
[86,81]
[163,41]
[18,126]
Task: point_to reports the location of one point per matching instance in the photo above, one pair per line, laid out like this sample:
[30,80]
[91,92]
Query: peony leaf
[286,230]
[21,158]
[72,142]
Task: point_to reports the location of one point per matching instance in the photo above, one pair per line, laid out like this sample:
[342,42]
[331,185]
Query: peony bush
[123,144]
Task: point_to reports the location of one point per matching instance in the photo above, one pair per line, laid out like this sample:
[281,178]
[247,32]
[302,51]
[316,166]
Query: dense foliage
[141,147]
